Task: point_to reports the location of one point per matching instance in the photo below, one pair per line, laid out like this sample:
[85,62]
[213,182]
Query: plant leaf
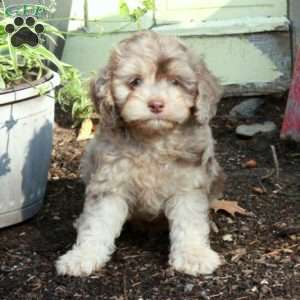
[50,38]
[2,83]
[52,30]
[13,55]
[46,54]
[123,9]
[149,4]
[85,131]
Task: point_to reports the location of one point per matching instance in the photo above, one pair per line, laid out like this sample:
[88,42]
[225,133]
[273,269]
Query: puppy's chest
[151,177]
[150,185]
[154,179]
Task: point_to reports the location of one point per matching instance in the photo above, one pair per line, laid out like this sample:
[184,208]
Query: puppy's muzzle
[156,106]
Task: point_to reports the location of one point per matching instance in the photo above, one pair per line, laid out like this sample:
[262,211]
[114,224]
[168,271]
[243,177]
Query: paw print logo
[24,31]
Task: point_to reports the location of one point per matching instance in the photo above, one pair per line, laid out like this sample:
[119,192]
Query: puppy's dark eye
[135,82]
[175,82]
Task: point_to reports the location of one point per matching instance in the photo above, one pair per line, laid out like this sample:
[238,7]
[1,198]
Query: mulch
[261,251]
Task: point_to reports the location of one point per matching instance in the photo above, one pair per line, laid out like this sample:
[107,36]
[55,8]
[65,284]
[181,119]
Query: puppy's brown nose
[156,106]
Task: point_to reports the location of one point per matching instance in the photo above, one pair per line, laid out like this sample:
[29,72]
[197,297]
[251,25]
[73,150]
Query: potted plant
[26,114]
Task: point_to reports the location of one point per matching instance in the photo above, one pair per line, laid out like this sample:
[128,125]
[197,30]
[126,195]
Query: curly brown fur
[153,154]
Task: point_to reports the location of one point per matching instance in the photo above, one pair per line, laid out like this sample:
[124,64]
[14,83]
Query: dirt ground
[262,251]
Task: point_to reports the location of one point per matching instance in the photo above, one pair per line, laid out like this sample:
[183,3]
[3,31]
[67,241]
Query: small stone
[229,220]
[204,296]
[188,287]
[265,290]
[238,253]
[248,131]
[247,272]
[247,108]
[227,238]
[254,289]
[244,228]
[214,227]
[264,281]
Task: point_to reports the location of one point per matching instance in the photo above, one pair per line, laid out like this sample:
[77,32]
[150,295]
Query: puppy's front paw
[195,261]
[80,262]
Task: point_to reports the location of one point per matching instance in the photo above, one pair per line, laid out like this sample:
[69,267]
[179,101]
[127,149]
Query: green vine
[136,11]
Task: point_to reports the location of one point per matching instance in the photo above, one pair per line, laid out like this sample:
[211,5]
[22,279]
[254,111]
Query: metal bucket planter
[26,126]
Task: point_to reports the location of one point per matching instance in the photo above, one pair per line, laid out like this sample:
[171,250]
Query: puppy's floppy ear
[209,94]
[101,95]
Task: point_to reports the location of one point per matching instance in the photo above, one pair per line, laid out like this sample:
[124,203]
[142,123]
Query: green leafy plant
[135,9]
[25,64]
[73,96]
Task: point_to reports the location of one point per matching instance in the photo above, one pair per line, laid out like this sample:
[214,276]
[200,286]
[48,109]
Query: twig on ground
[135,256]
[262,186]
[125,287]
[204,296]
[275,158]
[294,155]
[267,176]
[278,251]
[216,295]
[136,284]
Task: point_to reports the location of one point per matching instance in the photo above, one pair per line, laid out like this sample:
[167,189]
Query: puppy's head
[153,84]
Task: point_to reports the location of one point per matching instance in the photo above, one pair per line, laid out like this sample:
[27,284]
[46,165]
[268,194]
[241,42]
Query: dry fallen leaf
[85,131]
[231,207]
[258,190]
[250,164]
[273,253]
[277,252]
[237,254]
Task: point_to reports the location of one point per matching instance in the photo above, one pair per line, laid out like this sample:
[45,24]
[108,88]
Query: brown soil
[262,260]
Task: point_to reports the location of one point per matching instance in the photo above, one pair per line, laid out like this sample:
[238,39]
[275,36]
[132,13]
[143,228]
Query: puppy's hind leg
[99,225]
[189,229]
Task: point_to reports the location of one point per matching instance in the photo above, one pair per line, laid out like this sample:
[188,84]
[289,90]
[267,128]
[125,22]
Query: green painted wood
[249,52]
[255,60]
[88,54]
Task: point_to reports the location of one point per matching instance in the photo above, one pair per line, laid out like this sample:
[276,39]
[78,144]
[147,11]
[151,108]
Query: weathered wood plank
[253,89]
[257,63]
[227,27]
[174,11]
[251,63]
[294,15]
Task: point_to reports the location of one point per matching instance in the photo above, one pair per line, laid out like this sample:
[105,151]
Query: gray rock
[188,287]
[249,131]
[247,108]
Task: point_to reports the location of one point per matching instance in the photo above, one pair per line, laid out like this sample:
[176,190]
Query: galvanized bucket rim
[27,91]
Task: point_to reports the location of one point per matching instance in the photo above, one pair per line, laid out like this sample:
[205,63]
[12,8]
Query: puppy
[153,154]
